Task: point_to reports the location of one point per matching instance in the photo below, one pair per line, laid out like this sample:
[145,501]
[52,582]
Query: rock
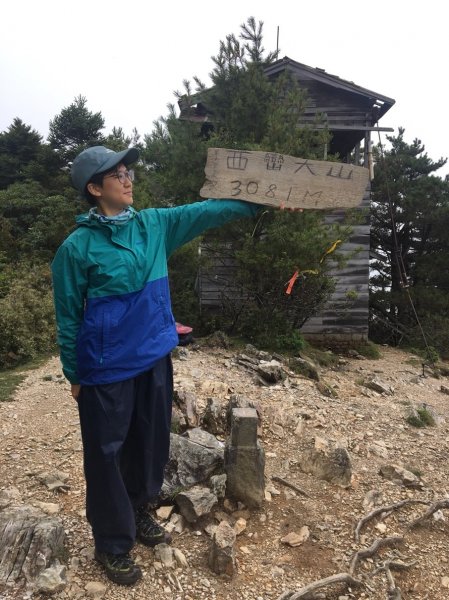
[326,390]
[438,515]
[164,553]
[381,527]
[164,512]
[95,589]
[44,537]
[271,371]
[296,539]
[176,523]
[180,557]
[55,480]
[380,387]
[204,438]
[445,582]
[212,387]
[51,580]
[305,367]
[214,417]
[222,552]
[9,496]
[240,526]
[378,449]
[185,401]
[217,339]
[218,485]
[195,502]
[327,461]
[300,427]
[445,390]
[49,508]
[247,361]
[189,463]
[372,498]
[401,476]
[244,459]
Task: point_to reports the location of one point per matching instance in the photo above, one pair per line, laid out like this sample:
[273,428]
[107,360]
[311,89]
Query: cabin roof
[348,110]
[320,75]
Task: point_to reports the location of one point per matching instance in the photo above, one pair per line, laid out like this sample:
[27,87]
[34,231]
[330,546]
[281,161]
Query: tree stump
[30,541]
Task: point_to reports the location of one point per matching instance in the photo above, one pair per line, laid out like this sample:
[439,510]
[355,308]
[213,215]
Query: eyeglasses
[122,176]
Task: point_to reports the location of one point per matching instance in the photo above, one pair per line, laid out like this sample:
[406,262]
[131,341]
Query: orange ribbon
[292,282]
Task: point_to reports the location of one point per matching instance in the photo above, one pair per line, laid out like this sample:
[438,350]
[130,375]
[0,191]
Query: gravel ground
[39,431]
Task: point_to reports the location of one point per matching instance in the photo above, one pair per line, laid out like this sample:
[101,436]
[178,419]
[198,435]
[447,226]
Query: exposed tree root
[388,542]
[290,485]
[431,510]
[383,509]
[309,589]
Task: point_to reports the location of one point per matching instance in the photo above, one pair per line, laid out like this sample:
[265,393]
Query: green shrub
[421,417]
[27,323]
[369,350]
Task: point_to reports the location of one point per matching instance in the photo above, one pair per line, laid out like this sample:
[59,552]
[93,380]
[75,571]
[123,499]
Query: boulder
[51,580]
[186,403]
[305,367]
[327,461]
[218,485]
[379,386]
[401,476]
[222,552]
[271,371]
[30,542]
[204,438]
[195,502]
[214,416]
[189,463]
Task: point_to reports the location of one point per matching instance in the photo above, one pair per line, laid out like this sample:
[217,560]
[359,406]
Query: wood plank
[275,179]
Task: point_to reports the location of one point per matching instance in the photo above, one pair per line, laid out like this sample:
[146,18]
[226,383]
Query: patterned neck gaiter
[119,219]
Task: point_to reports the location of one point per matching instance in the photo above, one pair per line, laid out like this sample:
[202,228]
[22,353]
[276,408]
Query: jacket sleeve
[69,291]
[183,223]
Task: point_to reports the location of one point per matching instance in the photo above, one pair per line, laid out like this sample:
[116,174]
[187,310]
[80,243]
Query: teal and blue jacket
[110,287]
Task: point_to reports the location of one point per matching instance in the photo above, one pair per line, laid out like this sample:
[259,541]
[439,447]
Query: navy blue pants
[125,428]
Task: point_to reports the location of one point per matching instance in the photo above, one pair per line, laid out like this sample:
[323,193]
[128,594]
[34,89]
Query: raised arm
[183,223]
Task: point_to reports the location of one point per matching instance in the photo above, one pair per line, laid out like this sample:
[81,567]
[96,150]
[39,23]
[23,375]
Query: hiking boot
[149,532]
[120,568]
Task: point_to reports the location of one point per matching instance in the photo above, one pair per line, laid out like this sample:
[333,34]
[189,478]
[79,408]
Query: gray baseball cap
[98,159]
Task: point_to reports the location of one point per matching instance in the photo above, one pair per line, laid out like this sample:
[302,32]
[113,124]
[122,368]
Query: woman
[115,331]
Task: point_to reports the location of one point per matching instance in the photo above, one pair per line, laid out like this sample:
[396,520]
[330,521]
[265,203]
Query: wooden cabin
[352,114]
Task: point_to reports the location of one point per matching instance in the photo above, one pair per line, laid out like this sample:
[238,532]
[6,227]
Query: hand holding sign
[283,181]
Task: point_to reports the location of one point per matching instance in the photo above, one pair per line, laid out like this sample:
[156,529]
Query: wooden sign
[280,180]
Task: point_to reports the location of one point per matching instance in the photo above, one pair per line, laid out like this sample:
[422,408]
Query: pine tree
[19,147]
[246,111]
[410,245]
[74,129]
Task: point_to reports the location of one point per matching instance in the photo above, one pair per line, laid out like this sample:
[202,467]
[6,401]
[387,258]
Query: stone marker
[245,459]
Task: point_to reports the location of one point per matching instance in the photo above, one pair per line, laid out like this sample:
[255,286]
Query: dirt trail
[39,431]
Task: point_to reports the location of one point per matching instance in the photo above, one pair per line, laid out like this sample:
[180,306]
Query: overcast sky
[128,57]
